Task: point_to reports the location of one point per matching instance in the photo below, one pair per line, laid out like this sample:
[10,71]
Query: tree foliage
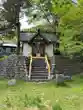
[63,16]
[70,21]
[13,10]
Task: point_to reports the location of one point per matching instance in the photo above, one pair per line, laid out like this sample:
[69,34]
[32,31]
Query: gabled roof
[27,36]
[50,36]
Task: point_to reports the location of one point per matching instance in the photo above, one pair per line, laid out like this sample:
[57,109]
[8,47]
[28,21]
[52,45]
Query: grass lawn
[70,97]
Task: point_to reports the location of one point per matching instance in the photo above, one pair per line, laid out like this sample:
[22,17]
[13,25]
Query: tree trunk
[18,38]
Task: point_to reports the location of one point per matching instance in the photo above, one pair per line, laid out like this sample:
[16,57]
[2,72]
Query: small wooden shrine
[39,47]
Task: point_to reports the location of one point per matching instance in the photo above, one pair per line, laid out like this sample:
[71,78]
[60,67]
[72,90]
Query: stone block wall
[13,67]
[68,66]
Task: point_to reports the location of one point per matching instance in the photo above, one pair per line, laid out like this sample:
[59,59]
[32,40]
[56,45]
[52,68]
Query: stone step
[39,74]
[41,71]
[39,80]
[38,59]
[42,67]
[39,65]
[38,62]
[39,68]
[39,77]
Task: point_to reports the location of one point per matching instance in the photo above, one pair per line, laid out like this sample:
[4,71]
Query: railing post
[30,67]
[47,66]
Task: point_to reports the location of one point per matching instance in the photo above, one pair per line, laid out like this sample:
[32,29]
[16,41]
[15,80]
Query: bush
[8,102]
[56,107]
[25,102]
[30,102]
[33,102]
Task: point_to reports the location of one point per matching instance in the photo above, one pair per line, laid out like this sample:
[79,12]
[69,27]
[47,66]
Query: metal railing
[48,66]
[30,67]
[38,57]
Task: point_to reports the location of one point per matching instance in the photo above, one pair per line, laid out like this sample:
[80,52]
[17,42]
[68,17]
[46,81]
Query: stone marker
[59,78]
[12,82]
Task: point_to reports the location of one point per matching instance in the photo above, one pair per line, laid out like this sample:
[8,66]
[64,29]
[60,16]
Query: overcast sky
[24,23]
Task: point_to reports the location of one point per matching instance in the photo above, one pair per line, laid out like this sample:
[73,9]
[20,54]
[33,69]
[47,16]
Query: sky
[24,23]
[75,1]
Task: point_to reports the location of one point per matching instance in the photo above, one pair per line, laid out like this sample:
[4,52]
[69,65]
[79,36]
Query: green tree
[70,23]
[13,10]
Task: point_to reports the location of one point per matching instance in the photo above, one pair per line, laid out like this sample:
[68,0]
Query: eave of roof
[50,37]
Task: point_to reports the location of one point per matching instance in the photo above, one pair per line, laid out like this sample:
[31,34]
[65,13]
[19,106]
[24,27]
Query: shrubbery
[29,103]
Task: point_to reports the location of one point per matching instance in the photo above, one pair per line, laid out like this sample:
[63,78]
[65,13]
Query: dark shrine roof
[28,36]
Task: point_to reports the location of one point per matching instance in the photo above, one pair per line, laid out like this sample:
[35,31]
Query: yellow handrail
[38,57]
[48,66]
[30,66]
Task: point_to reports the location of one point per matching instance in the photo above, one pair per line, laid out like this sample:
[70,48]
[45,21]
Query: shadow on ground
[63,85]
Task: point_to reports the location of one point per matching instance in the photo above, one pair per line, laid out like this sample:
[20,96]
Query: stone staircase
[39,71]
